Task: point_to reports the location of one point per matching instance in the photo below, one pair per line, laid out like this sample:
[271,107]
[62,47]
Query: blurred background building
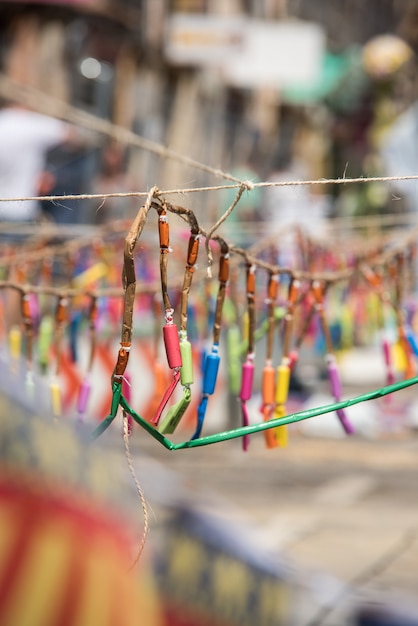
[238,84]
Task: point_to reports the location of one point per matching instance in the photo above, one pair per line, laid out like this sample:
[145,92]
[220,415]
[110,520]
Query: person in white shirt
[25,138]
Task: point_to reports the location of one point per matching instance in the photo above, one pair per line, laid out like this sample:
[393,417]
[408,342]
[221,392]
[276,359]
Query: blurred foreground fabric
[66,548]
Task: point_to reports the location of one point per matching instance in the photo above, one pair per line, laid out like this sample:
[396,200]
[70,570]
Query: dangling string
[138,488]
[176,412]
[211,363]
[247,373]
[333,373]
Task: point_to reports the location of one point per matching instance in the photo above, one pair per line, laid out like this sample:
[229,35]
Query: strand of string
[138,488]
[54,107]
[245,185]
[29,96]
[215,227]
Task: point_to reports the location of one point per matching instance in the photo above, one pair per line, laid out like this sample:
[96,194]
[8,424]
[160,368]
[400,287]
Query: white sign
[249,53]
[194,39]
[277,54]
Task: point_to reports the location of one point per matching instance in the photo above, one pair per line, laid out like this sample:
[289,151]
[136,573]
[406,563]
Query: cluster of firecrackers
[300,306]
[70,294]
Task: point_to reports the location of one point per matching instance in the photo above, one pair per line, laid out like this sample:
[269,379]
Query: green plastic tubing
[254,428]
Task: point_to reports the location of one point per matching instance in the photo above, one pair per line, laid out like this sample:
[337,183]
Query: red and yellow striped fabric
[65,562]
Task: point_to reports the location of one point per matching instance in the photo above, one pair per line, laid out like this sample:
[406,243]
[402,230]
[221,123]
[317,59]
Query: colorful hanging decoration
[61,317]
[269,373]
[247,373]
[85,387]
[210,366]
[86,270]
[176,412]
[318,288]
[28,325]
[170,331]
[284,369]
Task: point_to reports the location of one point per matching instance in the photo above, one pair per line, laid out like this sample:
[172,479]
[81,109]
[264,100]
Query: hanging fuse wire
[160,379]
[375,280]
[46,323]
[15,346]
[284,369]
[212,359]
[176,412]
[12,311]
[28,325]
[233,335]
[308,314]
[268,375]
[170,332]
[61,318]
[405,339]
[85,387]
[333,373]
[247,373]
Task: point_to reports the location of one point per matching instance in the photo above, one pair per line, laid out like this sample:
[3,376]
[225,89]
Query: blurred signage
[210,574]
[194,39]
[248,52]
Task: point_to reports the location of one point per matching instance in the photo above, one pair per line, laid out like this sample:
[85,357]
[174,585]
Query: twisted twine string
[138,489]
[245,185]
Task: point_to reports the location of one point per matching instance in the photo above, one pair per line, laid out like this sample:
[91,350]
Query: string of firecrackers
[273,426]
[64,111]
[317,285]
[36,248]
[376,256]
[355,248]
[327,277]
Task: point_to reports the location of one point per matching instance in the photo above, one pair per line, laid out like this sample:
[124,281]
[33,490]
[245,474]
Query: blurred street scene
[192,75]
[208,221]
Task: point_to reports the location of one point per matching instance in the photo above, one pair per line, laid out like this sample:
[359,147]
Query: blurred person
[391,64]
[26,136]
[399,154]
[69,168]
[291,207]
[113,178]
